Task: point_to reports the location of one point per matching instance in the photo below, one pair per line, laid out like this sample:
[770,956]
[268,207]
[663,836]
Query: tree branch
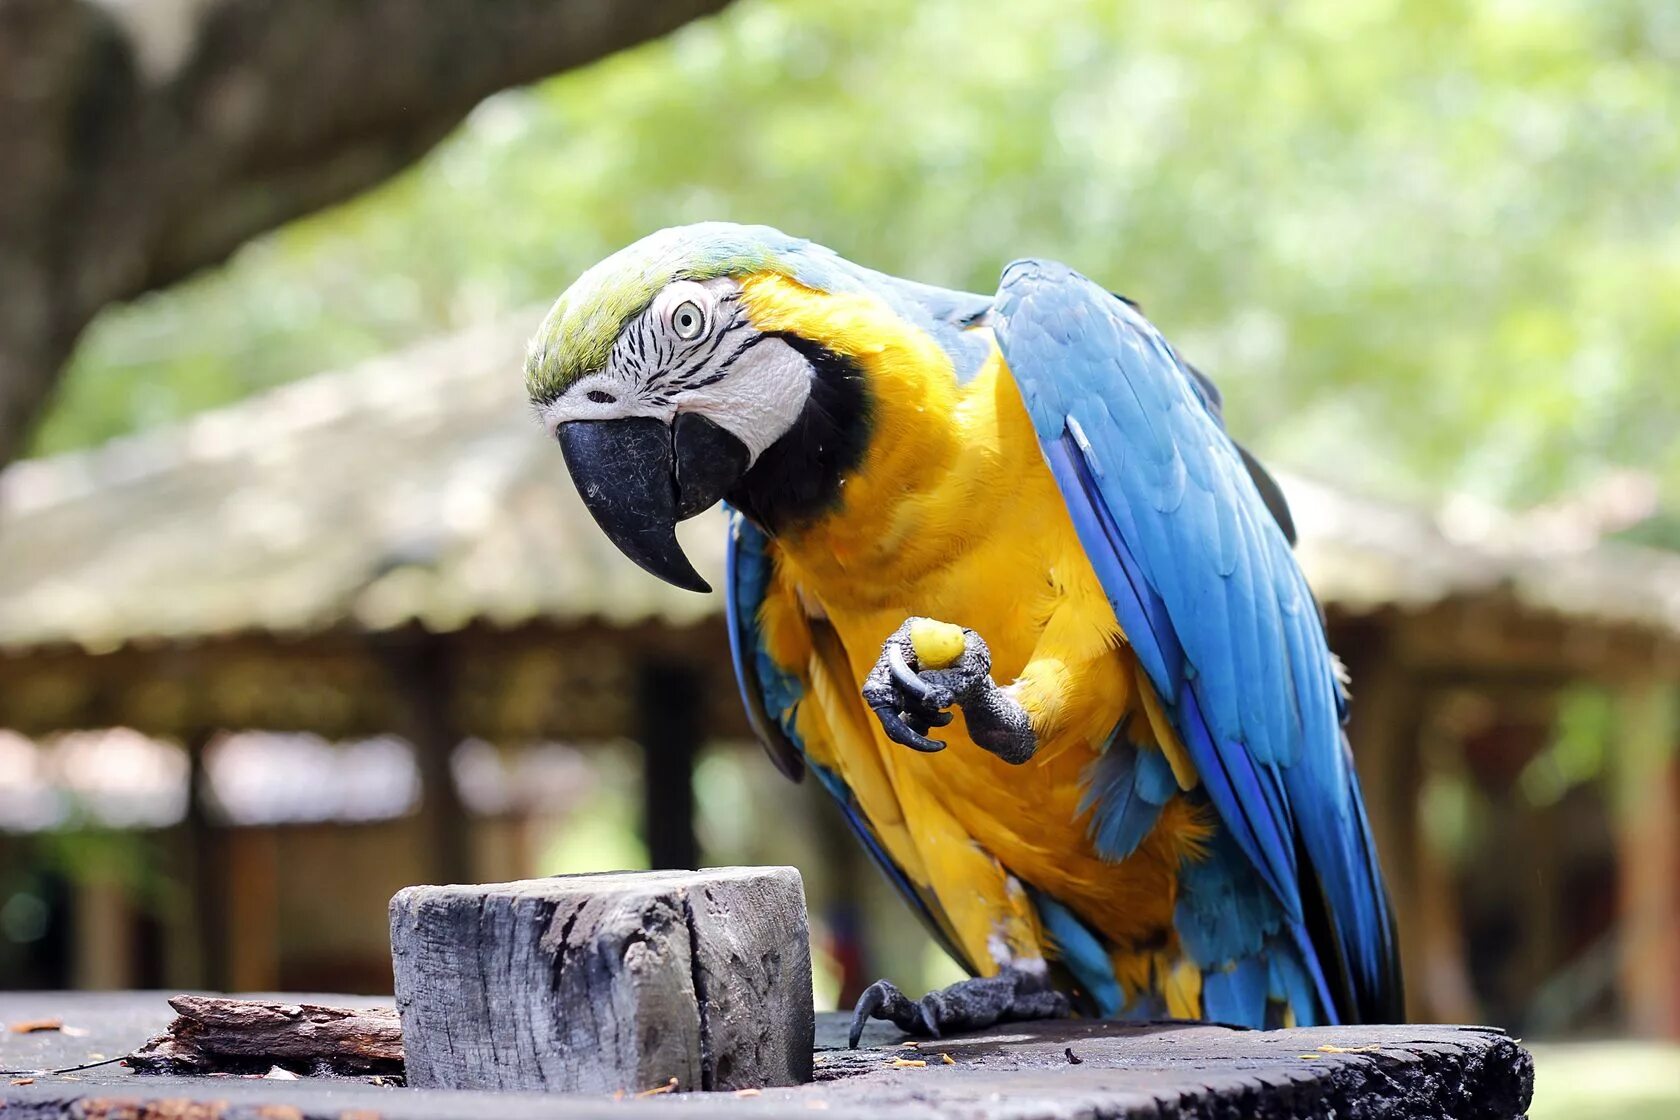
[144,141]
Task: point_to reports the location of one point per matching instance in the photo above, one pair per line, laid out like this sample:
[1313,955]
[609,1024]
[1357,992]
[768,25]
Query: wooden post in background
[1385,725]
[669,715]
[1647,808]
[253,922]
[422,670]
[104,934]
[206,875]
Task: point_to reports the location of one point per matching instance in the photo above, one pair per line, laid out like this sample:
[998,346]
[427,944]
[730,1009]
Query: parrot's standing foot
[927,666]
[968,1005]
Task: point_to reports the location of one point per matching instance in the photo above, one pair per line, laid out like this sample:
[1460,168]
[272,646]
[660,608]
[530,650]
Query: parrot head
[666,396]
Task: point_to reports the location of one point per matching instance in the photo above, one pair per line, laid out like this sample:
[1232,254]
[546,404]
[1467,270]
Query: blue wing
[772,696]
[1204,585]
[768,693]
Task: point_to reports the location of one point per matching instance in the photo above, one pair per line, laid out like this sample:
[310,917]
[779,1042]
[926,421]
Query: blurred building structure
[320,594]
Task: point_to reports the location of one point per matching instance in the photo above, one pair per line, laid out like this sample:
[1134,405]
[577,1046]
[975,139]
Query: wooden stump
[588,983]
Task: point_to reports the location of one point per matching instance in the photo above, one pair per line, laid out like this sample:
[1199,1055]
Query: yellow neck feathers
[932,476]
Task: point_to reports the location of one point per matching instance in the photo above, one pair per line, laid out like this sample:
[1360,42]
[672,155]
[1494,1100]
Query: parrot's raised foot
[1010,996]
[925,667]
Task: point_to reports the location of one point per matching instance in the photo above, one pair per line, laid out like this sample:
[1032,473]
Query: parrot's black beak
[640,476]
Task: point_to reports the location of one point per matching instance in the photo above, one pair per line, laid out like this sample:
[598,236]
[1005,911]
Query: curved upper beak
[640,476]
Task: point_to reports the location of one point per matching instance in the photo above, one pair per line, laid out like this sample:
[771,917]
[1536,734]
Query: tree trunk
[143,141]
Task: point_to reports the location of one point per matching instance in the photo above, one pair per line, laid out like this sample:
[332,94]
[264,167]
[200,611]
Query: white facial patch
[609,394]
[752,386]
[760,397]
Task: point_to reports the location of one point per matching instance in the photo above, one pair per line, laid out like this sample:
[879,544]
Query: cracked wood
[599,983]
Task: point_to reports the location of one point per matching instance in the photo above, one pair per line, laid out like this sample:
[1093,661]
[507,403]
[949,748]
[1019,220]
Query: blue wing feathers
[1204,585]
[1125,790]
[768,694]
[1237,994]
[1142,614]
[1081,952]
[1144,619]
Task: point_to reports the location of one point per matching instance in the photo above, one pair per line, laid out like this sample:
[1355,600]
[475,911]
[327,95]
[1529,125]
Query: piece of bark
[596,983]
[213,1034]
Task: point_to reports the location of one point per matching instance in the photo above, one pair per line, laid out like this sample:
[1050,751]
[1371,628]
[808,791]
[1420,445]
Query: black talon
[1013,995]
[907,678]
[919,719]
[881,1000]
[925,1014]
[900,732]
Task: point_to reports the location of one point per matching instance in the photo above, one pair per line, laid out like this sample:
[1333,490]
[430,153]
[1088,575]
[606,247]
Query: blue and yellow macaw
[933,491]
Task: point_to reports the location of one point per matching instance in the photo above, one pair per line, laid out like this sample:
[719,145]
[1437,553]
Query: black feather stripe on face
[797,478]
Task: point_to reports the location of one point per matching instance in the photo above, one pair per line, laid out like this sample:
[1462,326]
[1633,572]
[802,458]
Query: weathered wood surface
[213,1033]
[1020,1072]
[595,983]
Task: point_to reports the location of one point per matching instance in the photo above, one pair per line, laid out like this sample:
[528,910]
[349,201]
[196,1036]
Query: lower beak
[640,476]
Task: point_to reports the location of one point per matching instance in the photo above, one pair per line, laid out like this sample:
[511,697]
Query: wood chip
[31,1026]
[909,1046]
[275,1073]
[908,1063]
[1332,1048]
[669,1087]
[214,1034]
[749,1092]
[23,1081]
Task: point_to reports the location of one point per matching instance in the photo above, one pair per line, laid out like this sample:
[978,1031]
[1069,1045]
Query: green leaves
[1421,246]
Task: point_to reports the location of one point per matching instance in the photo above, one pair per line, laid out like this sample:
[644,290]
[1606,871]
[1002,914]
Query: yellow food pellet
[908,1063]
[937,644]
[947,1059]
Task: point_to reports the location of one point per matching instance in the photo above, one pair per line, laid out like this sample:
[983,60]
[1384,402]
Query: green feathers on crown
[579,330]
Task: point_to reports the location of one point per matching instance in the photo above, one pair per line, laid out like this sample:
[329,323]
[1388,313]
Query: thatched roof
[417,488]
[412,488]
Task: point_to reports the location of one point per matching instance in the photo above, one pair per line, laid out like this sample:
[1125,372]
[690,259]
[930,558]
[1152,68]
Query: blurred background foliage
[1423,246]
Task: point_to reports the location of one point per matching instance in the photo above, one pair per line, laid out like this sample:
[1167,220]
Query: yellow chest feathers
[953,514]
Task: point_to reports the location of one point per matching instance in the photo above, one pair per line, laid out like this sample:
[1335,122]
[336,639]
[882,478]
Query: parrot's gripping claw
[1012,995]
[925,667]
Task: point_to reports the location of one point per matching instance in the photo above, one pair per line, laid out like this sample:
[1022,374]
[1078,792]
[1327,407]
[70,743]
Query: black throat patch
[797,478]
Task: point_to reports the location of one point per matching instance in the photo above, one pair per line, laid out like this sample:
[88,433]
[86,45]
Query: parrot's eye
[687,319]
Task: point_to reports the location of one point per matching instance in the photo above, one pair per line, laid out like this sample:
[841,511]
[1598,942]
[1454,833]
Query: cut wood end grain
[596,983]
